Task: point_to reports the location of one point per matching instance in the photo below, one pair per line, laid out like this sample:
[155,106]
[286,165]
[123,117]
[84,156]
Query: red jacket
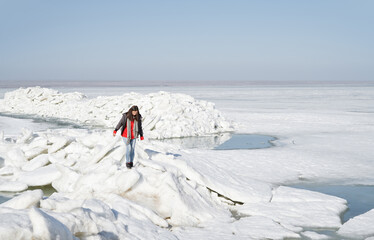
[123,122]
[124,133]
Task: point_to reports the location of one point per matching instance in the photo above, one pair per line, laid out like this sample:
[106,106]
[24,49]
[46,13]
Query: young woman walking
[131,123]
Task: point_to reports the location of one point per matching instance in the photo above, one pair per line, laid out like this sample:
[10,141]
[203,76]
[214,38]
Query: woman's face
[134,113]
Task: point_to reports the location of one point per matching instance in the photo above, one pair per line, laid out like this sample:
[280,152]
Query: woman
[131,123]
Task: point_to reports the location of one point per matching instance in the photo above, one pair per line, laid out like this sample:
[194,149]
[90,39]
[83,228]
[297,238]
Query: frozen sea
[308,174]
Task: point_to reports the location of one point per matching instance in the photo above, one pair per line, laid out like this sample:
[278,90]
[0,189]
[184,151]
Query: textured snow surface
[176,193]
[96,195]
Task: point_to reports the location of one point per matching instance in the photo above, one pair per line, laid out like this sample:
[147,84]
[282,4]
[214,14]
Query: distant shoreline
[51,84]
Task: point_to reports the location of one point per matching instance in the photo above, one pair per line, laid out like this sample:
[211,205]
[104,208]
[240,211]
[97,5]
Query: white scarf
[128,125]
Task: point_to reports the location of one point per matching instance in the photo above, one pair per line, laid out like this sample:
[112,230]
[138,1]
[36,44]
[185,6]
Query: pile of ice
[163,196]
[95,195]
[165,115]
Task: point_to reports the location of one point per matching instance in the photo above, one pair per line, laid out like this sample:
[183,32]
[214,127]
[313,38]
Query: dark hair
[129,113]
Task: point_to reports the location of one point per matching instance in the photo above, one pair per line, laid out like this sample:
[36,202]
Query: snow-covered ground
[325,135]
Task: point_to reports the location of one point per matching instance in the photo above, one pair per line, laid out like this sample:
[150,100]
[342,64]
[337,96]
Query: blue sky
[322,40]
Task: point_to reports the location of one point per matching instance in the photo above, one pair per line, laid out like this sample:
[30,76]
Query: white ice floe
[258,227]
[35,163]
[47,227]
[161,111]
[126,206]
[118,219]
[41,176]
[15,157]
[57,144]
[25,200]
[254,227]
[12,186]
[359,227]
[15,224]
[219,176]
[26,134]
[299,208]
[315,236]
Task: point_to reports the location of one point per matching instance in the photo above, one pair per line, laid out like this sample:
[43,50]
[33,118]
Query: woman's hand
[114,133]
[141,138]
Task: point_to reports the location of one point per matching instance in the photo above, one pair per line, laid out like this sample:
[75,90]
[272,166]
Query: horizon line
[119,83]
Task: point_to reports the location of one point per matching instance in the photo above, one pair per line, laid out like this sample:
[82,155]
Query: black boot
[129,165]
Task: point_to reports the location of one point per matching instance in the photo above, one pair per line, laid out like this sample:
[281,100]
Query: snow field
[188,194]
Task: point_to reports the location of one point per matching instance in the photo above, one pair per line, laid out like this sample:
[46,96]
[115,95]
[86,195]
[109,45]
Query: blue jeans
[130,149]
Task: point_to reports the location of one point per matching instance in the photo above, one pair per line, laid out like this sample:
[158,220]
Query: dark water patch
[360,198]
[5,198]
[48,190]
[247,141]
[47,122]
[201,142]
[223,141]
